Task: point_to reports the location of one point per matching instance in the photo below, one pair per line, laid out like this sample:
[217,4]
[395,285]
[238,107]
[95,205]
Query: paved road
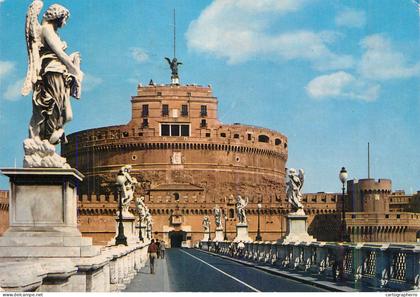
[189,270]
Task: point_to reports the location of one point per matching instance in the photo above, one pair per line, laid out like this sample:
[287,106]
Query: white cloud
[239,30]
[5,68]
[280,6]
[12,92]
[381,62]
[312,47]
[342,85]
[351,18]
[139,55]
[90,82]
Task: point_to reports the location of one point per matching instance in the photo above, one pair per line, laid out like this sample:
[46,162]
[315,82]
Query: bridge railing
[109,271]
[382,266]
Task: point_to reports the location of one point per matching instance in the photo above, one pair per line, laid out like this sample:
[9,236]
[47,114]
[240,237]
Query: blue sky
[330,75]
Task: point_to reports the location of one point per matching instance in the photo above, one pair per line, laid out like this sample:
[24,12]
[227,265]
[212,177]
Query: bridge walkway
[190,270]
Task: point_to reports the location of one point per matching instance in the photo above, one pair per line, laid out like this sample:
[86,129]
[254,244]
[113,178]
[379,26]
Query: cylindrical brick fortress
[183,156]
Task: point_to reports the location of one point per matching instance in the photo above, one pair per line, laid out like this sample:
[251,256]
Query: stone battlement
[394,219]
[165,90]
[370,185]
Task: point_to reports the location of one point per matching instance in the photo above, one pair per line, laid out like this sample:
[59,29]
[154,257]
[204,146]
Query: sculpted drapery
[52,75]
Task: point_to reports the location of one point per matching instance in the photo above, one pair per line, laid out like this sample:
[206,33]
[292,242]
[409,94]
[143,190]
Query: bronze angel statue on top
[173,64]
[52,74]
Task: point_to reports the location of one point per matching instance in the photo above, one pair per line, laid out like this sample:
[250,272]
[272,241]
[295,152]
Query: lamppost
[343,178]
[120,239]
[151,230]
[140,231]
[258,238]
[148,231]
[225,228]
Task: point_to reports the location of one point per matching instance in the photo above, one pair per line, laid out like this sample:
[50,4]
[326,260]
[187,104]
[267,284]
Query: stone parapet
[382,267]
[87,274]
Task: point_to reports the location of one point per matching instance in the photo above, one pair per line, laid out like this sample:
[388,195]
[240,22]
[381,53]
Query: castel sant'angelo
[186,162]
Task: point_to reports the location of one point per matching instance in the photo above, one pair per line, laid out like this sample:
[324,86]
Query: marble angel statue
[53,75]
[294,187]
[149,223]
[128,185]
[141,207]
[206,224]
[218,217]
[241,203]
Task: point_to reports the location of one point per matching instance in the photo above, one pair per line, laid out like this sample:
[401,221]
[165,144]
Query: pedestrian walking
[241,248]
[152,251]
[158,248]
[162,249]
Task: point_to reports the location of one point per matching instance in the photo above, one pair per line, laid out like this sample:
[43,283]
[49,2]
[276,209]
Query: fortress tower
[373,218]
[369,195]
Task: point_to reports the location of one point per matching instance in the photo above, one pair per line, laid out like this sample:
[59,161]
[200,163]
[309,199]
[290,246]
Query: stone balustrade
[110,271]
[388,267]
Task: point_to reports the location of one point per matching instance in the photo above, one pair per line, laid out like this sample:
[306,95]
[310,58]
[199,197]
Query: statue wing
[33,43]
[301,178]
[169,60]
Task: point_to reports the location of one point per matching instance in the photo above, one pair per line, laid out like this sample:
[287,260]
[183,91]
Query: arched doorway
[176,238]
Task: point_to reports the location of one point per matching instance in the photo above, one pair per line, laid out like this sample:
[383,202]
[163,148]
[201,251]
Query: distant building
[374,214]
[402,202]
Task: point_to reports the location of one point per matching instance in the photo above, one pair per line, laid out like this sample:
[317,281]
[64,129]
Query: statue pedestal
[297,229]
[174,80]
[128,220]
[242,233]
[143,233]
[219,234]
[43,215]
[206,236]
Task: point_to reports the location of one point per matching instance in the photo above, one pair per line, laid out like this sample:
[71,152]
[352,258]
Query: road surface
[190,270]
